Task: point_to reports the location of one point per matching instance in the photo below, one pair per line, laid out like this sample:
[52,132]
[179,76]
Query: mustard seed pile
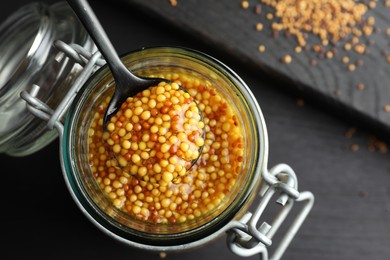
[202,189]
[156,135]
[332,21]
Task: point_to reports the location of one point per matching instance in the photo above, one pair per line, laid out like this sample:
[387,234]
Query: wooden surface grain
[226,25]
[347,170]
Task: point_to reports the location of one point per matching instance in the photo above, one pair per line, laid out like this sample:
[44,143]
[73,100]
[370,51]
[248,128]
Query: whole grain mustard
[152,180]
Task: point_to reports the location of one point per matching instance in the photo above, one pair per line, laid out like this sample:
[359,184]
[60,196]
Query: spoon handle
[91,23]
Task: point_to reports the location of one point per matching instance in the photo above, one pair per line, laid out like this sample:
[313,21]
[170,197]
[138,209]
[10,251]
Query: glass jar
[62,83]
[196,67]
[246,236]
[27,57]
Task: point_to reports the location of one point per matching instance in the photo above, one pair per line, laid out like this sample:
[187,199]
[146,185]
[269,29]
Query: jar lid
[27,57]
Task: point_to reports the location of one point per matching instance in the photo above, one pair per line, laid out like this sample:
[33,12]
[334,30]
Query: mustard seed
[244,4]
[360,86]
[287,59]
[153,185]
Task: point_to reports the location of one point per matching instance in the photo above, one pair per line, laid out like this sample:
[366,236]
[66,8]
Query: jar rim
[213,228]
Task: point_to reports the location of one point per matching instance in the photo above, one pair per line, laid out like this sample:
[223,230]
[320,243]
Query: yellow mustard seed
[287,59]
[244,4]
[261,48]
[259,26]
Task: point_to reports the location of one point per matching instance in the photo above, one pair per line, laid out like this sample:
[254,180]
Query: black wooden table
[343,162]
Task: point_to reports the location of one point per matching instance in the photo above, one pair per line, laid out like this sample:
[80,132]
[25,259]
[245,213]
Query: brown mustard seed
[173,2]
[300,102]
[257,9]
[350,132]
[355,147]
[360,86]
[386,108]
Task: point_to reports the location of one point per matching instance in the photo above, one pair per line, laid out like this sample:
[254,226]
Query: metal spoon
[126,83]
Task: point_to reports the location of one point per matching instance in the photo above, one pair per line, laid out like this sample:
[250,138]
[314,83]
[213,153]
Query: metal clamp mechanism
[248,238]
[40,109]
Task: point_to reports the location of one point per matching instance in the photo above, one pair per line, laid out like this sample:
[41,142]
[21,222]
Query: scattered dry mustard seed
[371,20]
[387,3]
[261,48]
[388,58]
[300,102]
[355,147]
[372,4]
[270,16]
[298,17]
[386,108]
[347,46]
[259,27]
[287,59]
[359,62]
[173,2]
[329,54]
[360,86]
[388,31]
[244,4]
[298,49]
[354,40]
[350,132]
[351,67]
[317,48]
[257,9]
[377,145]
[360,48]
[345,59]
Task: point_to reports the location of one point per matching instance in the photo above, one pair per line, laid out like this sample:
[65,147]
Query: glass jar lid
[27,57]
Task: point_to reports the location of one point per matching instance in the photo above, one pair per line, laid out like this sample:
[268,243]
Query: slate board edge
[312,96]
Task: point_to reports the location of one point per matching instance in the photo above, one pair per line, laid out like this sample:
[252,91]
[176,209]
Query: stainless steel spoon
[126,83]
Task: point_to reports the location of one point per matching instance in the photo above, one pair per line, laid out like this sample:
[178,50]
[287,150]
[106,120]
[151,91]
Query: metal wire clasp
[248,238]
[89,61]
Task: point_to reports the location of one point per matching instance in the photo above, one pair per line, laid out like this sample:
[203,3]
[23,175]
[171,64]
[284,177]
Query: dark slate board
[227,26]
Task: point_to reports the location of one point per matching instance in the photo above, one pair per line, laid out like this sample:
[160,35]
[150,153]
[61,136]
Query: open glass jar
[215,196]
